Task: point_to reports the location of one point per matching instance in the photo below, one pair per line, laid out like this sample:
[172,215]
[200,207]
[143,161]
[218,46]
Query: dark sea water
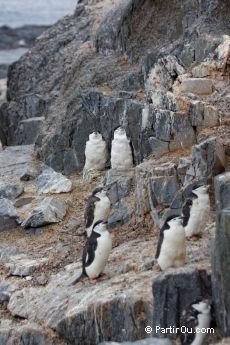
[17,13]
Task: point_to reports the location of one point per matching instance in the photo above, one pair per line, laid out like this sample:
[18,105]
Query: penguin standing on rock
[97,208]
[196,212]
[171,250]
[96,252]
[194,319]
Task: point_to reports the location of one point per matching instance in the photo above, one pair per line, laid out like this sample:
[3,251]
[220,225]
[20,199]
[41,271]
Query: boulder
[183,169]
[10,191]
[208,158]
[23,267]
[47,212]
[8,215]
[122,214]
[6,289]
[118,184]
[26,334]
[52,182]
[15,160]
[156,187]
[221,256]
[172,128]
[200,71]
[197,86]
[173,291]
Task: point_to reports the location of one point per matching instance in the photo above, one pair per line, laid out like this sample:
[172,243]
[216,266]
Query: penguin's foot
[93,281]
[158,268]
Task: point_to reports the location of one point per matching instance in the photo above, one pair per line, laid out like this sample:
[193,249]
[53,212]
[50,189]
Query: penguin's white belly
[198,219]
[173,251]
[102,252]
[203,322]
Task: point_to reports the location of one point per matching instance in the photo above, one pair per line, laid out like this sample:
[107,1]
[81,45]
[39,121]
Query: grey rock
[8,215]
[52,182]
[222,191]
[221,258]
[161,78]
[173,128]
[6,252]
[118,184]
[47,212]
[149,341]
[23,267]
[200,71]
[6,289]
[208,158]
[29,129]
[202,115]
[28,334]
[23,201]
[197,86]
[158,147]
[74,224]
[156,187]
[15,160]
[10,191]
[122,214]
[71,310]
[174,290]
[183,169]
[163,190]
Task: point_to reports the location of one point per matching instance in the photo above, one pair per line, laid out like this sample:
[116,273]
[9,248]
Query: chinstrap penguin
[171,248]
[97,208]
[195,317]
[96,252]
[196,211]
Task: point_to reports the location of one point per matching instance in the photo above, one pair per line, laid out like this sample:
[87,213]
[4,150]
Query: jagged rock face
[221,259]
[77,68]
[173,292]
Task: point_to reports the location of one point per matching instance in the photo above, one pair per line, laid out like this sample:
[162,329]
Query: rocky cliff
[161,71]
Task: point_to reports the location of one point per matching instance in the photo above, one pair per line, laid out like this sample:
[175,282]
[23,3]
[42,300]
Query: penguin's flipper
[89,211]
[186,211]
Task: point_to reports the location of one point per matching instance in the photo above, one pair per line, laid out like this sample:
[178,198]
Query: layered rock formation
[166,82]
[98,66]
